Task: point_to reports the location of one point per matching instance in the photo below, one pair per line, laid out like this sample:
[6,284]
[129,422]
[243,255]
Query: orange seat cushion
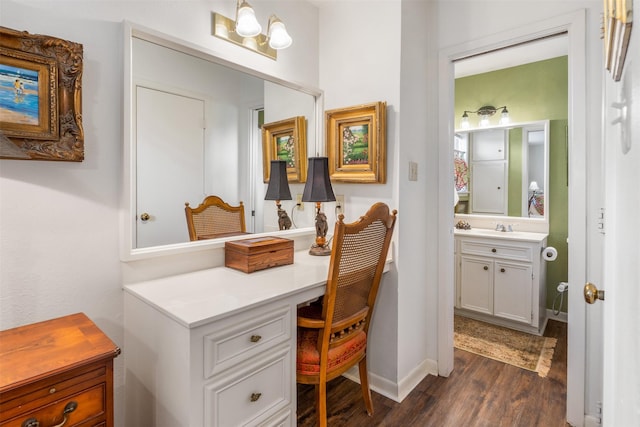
[308,357]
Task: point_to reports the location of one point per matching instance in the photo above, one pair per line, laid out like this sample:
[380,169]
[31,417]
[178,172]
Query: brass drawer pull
[494,250]
[255,338]
[485,268]
[502,270]
[69,408]
[255,396]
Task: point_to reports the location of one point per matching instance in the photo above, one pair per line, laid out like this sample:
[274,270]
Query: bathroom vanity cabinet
[501,278]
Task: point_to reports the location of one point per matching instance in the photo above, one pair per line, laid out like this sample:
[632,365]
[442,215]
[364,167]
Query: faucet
[500,227]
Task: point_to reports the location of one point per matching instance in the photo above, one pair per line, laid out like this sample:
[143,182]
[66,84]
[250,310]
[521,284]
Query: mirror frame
[542,224]
[128,200]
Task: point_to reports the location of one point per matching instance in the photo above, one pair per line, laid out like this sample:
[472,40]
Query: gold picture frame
[41,119]
[616,25]
[286,140]
[356,143]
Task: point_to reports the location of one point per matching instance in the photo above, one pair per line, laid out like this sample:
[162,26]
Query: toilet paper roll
[549,253]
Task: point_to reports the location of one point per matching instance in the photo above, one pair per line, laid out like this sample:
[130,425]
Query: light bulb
[278,36]
[246,23]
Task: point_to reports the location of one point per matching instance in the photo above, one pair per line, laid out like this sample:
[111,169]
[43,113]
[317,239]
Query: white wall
[59,221]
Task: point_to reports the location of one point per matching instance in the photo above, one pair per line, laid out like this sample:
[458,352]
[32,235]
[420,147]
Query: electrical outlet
[299,202]
[339,204]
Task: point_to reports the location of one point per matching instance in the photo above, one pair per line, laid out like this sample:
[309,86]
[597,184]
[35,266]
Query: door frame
[574,25]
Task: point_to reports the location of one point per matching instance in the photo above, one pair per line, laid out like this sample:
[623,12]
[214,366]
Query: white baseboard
[591,421]
[391,390]
[560,317]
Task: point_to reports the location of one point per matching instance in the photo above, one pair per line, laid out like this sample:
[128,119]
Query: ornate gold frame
[295,128]
[58,135]
[366,165]
[616,25]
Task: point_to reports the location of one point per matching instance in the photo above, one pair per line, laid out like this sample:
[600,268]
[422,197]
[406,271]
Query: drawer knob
[255,338]
[255,396]
[486,268]
[502,270]
[494,250]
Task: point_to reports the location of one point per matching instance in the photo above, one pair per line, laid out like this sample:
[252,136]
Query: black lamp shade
[278,188]
[318,186]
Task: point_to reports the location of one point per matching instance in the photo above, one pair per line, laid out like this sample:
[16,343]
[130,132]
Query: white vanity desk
[217,347]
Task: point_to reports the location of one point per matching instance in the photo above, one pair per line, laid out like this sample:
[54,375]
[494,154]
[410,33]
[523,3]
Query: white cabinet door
[512,291]
[476,287]
[488,187]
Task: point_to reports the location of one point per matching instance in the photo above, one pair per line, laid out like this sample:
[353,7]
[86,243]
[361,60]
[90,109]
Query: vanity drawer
[495,249]
[252,394]
[243,340]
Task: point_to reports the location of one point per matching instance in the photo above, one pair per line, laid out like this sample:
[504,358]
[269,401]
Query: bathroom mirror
[192,129]
[503,170]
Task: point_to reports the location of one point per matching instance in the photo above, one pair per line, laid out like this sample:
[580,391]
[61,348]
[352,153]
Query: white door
[621,307]
[170,172]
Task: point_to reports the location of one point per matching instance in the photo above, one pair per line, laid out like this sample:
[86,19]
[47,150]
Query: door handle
[592,294]
[145,217]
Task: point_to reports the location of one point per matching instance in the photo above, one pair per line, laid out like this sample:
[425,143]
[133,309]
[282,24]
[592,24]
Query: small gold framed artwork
[616,25]
[356,143]
[41,109]
[286,140]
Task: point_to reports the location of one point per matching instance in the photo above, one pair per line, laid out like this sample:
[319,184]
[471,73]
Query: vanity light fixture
[245,31]
[485,113]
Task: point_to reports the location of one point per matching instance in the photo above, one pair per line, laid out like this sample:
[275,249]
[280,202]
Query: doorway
[574,26]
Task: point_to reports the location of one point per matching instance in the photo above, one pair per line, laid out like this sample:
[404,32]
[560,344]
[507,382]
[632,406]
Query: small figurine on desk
[284,222]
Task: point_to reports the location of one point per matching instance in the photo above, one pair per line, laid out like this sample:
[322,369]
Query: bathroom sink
[514,235]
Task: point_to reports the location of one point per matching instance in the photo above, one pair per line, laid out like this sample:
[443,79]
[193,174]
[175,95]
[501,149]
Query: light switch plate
[413,171]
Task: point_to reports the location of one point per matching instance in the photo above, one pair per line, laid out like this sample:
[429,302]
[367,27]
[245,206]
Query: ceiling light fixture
[245,31]
[485,113]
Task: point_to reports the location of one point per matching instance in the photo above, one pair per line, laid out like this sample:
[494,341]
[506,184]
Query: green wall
[532,92]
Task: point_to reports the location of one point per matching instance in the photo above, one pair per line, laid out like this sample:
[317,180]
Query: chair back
[358,257]
[214,218]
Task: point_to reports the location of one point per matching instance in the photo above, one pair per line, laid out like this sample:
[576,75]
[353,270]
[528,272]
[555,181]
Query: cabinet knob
[255,396]
[502,270]
[255,338]
[494,250]
[486,268]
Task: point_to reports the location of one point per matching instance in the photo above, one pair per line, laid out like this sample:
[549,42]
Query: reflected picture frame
[356,143]
[41,119]
[616,31]
[286,140]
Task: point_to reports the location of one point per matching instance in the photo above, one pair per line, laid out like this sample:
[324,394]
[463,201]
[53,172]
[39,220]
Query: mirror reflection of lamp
[318,189]
[534,189]
[278,189]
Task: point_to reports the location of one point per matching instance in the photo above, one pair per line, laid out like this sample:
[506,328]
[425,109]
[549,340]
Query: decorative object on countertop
[356,143]
[286,140]
[526,351]
[57,370]
[249,255]
[246,31]
[318,189]
[463,225]
[278,189]
[44,112]
[332,335]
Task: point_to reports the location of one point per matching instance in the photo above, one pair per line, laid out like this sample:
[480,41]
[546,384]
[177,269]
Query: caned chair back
[214,218]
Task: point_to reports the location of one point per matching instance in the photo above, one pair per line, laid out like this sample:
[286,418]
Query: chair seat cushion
[308,357]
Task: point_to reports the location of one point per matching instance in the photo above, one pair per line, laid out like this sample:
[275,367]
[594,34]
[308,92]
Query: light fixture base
[224,28]
[320,250]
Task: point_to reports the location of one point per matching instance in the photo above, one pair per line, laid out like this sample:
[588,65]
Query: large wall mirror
[193,129]
[503,170]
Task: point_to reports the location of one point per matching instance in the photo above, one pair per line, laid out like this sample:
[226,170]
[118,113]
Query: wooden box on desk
[255,254]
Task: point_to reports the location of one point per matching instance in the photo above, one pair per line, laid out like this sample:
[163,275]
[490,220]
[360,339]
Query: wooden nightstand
[57,372]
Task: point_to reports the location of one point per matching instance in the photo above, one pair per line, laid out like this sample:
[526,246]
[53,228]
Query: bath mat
[526,351]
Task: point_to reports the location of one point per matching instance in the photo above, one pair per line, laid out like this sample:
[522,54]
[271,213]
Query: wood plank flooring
[479,392]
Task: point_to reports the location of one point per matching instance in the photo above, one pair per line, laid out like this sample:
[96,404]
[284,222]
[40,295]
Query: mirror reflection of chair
[332,335]
[214,218]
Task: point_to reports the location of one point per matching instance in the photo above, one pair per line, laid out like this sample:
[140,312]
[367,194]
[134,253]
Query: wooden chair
[332,336]
[214,218]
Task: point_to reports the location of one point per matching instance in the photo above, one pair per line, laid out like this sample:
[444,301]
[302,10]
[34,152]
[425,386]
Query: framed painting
[616,25]
[356,143]
[286,140]
[40,97]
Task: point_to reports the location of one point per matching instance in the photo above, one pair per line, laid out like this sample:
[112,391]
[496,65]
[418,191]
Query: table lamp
[318,189]
[278,189]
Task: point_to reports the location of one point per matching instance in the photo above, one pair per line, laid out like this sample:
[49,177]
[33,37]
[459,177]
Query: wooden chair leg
[321,404]
[364,384]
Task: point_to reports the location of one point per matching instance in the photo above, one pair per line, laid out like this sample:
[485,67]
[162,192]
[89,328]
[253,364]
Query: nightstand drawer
[86,405]
[250,395]
[241,341]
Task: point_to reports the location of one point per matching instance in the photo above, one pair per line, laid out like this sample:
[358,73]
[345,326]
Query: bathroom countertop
[525,236]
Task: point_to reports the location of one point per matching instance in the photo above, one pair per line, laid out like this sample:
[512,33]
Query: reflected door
[170,147]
